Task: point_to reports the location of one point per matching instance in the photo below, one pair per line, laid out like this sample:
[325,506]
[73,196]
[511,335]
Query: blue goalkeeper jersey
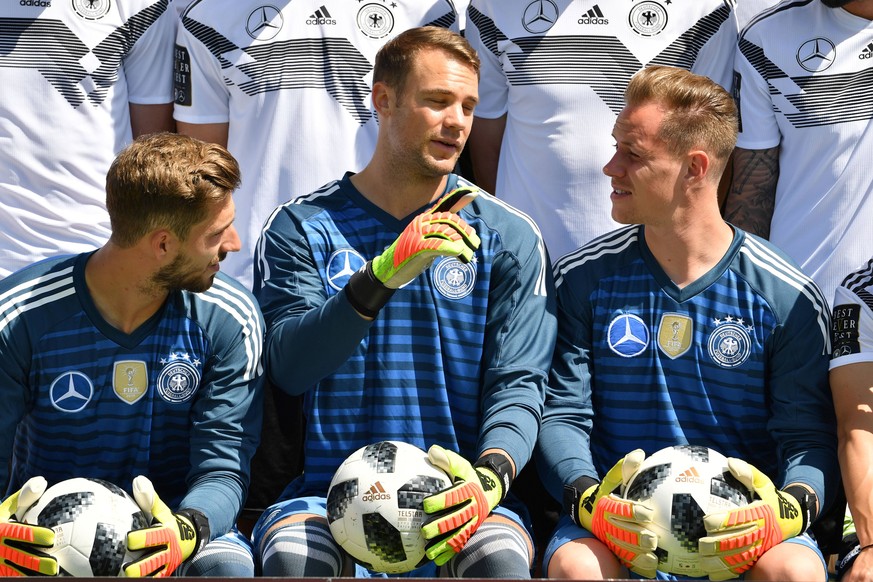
[178,400]
[458,357]
[736,361]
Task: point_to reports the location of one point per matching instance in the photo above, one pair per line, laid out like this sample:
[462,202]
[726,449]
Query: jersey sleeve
[226,421]
[13,388]
[716,58]
[563,448]
[301,318]
[149,64]
[758,128]
[484,36]
[803,422]
[852,336]
[201,92]
[519,342]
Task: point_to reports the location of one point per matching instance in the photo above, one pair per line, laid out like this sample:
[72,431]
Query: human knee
[585,559]
[789,563]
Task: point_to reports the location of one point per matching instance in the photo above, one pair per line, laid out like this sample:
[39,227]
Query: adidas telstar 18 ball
[90,519]
[374,505]
[682,484]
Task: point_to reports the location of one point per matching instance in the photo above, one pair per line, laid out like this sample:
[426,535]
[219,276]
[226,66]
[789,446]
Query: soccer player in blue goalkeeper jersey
[138,363]
[681,328]
[405,305]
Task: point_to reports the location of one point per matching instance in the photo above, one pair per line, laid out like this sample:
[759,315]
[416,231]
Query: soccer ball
[90,519]
[374,505]
[682,484]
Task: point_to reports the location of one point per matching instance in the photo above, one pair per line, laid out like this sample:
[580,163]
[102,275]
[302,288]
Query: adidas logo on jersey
[689,476]
[594,16]
[36,3]
[320,16]
[376,493]
[867,52]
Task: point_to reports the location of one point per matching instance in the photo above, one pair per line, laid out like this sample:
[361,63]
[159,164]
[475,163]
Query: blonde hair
[700,114]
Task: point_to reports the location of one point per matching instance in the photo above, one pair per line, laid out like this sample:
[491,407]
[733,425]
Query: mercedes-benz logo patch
[264,22]
[539,16]
[628,335]
[71,391]
[816,54]
[647,18]
[341,265]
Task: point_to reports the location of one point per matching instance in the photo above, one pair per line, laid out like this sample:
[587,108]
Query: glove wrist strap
[201,527]
[573,493]
[806,501]
[367,294]
[501,466]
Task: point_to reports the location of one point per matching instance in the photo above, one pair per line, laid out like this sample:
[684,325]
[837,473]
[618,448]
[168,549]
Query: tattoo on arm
[752,194]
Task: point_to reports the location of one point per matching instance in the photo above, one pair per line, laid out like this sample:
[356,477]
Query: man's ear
[699,165]
[383,98]
[163,244]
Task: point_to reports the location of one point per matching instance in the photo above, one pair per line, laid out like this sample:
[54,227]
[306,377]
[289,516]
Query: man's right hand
[22,545]
[438,232]
[618,523]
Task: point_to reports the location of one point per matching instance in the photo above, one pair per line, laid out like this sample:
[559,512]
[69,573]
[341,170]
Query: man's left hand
[737,538]
[461,508]
[172,538]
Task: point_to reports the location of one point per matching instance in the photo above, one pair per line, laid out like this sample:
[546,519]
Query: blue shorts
[566,531]
[318,506]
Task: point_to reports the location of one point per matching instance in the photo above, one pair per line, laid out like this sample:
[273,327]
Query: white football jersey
[68,72]
[803,78]
[292,81]
[853,318]
[558,70]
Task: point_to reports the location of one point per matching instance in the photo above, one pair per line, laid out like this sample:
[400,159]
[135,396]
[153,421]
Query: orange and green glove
[438,232]
[170,540]
[736,538]
[459,510]
[618,523]
[21,545]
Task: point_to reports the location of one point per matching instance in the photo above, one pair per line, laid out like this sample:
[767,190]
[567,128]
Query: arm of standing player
[484,146]
[751,196]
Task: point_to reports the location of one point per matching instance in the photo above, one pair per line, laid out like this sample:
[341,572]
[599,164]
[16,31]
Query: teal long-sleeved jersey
[736,361]
[458,357]
[179,400]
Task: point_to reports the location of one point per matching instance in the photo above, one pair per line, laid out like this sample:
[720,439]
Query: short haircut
[166,180]
[395,59]
[700,114]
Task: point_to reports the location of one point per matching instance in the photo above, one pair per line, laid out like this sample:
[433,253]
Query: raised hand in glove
[618,523]
[438,232]
[459,510]
[22,545]
[738,537]
[171,539]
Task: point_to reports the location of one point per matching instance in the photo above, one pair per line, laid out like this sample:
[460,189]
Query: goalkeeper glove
[172,539]
[20,543]
[460,509]
[434,233]
[737,538]
[618,523]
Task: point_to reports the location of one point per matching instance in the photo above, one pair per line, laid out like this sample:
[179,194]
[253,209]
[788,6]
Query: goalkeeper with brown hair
[406,305]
